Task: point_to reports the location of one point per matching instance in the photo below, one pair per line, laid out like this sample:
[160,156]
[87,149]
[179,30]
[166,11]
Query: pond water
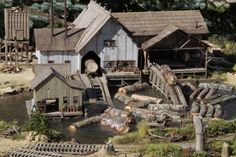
[13,108]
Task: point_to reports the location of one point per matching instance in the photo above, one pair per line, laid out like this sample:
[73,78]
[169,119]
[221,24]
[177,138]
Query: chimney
[52,18]
[65,16]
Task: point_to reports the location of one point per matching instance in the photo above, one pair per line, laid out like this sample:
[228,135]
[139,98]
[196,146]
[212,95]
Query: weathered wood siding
[59,57]
[125,48]
[55,88]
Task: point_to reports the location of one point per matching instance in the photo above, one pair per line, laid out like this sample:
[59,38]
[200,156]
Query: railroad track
[55,150]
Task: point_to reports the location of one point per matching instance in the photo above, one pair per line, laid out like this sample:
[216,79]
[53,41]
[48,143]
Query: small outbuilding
[54,92]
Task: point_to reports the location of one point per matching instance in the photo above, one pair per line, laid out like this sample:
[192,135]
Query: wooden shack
[53,92]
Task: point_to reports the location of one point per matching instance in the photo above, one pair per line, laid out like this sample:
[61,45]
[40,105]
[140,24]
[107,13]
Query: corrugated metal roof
[39,79]
[92,18]
[166,32]
[45,42]
[152,23]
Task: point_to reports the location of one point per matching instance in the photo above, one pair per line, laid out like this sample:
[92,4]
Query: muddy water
[13,108]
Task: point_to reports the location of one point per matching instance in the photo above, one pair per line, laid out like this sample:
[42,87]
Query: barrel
[91,66]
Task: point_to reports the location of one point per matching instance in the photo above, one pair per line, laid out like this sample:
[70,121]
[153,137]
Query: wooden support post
[145,60]
[27,55]
[6,51]
[16,54]
[206,63]
[200,133]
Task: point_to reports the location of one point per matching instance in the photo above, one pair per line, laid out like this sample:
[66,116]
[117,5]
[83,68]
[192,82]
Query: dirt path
[7,145]
[23,77]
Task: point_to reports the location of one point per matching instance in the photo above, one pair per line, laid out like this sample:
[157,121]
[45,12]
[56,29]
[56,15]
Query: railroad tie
[77,149]
[32,153]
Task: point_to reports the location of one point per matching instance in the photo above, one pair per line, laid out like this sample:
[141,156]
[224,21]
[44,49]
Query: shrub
[220,127]
[142,129]
[37,123]
[125,139]
[216,147]
[162,150]
[199,154]
[4,125]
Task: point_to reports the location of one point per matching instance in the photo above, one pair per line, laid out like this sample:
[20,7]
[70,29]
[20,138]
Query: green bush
[162,150]
[37,123]
[200,154]
[216,147]
[125,139]
[142,129]
[5,125]
[220,127]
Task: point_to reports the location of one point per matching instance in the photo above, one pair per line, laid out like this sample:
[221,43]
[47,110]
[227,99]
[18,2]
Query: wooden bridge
[172,92]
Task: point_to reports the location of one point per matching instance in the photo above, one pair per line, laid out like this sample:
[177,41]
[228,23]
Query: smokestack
[65,16]
[52,18]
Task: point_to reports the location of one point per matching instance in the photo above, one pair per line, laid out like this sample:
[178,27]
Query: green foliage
[142,129]
[39,21]
[125,139]
[37,123]
[200,154]
[227,45]
[216,147]
[162,150]
[5,3]
[219,75]
[54,135]
[220,127]
[233,146]
[5,125]
[187,131]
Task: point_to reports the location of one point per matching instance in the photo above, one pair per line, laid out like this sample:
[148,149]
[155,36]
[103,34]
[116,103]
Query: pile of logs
[207,100]
[117,120]
[150,108]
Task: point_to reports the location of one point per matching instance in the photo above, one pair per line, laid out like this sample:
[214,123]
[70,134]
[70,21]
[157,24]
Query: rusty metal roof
[48,72]
[45,42]
[153,22]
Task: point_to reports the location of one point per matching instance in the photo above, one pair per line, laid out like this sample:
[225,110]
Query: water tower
[17,36]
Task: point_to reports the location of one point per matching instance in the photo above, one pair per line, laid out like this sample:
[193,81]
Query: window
[110,43]
[50,61]
[67,61]
[65,100]
[75,100]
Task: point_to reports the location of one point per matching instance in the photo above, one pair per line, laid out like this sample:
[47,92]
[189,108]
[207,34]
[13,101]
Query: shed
[53,92]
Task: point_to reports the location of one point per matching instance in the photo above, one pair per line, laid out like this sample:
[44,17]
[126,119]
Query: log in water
[195,93]
[195,108]
[138,97]
[172,107]
[202,94]
[115,125]
[210,111]
[218,111]
[180,95]
[80,124]
[132,88]
[123,98]
[211,92]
